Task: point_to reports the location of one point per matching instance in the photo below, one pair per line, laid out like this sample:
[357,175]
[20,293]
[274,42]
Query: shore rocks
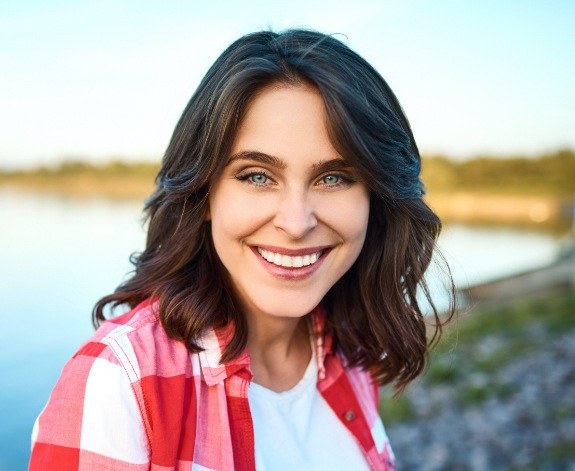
[519,415]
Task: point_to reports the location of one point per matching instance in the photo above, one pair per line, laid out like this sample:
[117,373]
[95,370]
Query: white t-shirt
[297,430]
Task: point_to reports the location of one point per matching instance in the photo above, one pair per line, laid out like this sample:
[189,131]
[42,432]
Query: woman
[287,237]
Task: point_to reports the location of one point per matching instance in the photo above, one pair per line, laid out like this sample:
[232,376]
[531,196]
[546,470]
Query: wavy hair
[372,311]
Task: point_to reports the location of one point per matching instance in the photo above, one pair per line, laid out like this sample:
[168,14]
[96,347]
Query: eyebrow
[258,157]
[263,158]
[331,165]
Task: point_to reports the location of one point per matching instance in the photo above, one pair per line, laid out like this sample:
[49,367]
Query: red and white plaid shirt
[131,398]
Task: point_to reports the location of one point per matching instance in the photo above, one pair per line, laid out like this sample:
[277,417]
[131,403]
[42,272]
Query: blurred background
[90,92]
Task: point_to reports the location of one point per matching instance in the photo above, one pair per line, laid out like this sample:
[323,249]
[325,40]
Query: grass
[394,409]
[482,342]
[561,413]
[555,313]
[558,453]
[443,370]
[470,395]
[504,355]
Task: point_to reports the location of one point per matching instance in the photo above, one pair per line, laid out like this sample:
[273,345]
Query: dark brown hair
[372,311]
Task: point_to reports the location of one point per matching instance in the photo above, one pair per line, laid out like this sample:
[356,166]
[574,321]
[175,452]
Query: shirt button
[349,416]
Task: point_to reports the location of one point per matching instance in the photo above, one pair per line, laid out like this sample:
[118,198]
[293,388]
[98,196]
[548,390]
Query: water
[59,255]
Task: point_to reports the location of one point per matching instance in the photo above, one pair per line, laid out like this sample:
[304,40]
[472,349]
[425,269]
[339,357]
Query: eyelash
[344,179]
[246,177]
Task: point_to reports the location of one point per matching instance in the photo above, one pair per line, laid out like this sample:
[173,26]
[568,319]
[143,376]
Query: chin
[287,307]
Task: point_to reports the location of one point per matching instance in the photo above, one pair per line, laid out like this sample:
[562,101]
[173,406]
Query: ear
[208,215]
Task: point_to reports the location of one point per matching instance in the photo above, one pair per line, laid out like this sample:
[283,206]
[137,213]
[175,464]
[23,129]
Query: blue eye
[336,180]
[258,178]
[332,179]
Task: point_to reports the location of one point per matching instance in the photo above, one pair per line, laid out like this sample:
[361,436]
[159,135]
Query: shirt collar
[215,341]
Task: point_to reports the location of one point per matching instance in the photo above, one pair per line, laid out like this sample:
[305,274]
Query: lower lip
[290,273]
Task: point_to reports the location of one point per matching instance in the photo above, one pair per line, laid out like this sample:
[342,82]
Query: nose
[295,215]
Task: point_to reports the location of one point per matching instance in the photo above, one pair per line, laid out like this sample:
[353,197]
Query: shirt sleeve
[92,419]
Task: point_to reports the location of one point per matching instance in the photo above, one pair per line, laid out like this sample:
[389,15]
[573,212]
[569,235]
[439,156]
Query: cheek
[350,219]
[235,217]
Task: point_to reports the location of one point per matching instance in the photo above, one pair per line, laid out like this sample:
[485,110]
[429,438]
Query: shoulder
[101,376]
[138,343]
[142,319]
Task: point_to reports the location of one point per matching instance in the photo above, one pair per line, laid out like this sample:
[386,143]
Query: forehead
[282,120]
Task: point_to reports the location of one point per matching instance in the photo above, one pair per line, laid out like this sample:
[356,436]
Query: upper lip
[293,252]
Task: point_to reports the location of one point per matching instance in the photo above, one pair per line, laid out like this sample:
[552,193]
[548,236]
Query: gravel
[523,417]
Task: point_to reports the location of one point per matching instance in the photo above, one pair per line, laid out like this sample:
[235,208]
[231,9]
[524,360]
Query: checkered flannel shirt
[131,398]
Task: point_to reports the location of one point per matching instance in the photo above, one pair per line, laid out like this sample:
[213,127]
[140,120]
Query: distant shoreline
[84,186]
[536,192]
[478,207]
[451,206]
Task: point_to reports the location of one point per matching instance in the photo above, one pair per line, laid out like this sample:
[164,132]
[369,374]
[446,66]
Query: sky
[108,79]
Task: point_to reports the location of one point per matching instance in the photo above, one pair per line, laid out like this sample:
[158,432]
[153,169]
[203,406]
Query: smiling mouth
[288,261]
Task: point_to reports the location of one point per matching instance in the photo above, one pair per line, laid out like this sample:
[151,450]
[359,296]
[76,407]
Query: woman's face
[288,215]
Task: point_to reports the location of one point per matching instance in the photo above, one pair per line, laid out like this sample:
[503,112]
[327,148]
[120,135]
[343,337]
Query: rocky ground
[501,396]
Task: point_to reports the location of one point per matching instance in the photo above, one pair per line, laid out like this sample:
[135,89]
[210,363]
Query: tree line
[547,174]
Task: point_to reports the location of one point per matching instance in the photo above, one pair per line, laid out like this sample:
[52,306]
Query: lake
[59,255]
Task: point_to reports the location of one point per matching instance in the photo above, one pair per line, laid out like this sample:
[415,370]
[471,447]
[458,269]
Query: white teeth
[289,261]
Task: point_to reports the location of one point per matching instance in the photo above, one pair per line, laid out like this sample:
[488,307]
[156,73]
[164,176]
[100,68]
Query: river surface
[59,255]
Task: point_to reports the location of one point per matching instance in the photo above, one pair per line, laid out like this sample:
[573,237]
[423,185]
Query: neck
[280,351]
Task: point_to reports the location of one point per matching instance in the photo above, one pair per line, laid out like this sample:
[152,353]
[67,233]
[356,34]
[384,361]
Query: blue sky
[108,78]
